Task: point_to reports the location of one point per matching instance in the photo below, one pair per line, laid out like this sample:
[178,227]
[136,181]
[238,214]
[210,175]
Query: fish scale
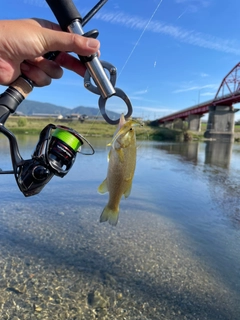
[122,163]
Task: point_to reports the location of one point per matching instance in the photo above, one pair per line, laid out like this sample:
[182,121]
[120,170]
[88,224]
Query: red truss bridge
[220,109]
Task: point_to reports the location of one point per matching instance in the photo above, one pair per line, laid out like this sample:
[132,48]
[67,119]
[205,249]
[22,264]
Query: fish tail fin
[109,215]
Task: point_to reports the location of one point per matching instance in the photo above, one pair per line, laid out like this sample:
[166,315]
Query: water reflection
[174,255]
[188,151]
[213,159]
[218,153]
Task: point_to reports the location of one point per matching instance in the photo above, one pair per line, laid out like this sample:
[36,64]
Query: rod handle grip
[64,11]
[22,85]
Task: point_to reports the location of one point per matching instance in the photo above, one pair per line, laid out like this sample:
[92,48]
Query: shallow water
[173,255]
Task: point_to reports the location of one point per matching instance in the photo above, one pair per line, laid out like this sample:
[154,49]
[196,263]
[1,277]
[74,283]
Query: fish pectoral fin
[103,188]
[109,215]
[109,155]
[128,191]
[120,154]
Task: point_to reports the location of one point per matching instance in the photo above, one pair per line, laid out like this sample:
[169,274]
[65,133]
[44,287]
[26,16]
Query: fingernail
[93,43]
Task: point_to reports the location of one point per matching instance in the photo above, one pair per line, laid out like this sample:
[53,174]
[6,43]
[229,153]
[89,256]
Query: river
[175,253]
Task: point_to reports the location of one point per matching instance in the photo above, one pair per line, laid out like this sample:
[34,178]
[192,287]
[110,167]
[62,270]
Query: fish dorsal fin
[103,188]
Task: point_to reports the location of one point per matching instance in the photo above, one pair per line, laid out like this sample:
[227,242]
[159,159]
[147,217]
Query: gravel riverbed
[59,262]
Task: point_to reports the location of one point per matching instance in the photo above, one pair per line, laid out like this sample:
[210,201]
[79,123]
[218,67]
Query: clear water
[178,233]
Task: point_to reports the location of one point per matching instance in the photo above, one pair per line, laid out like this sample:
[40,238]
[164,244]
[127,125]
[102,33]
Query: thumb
[64,41]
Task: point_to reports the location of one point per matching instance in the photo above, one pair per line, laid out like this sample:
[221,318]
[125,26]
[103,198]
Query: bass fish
[122,163]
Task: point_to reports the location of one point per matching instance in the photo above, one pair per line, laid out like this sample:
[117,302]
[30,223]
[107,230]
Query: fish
[122,163]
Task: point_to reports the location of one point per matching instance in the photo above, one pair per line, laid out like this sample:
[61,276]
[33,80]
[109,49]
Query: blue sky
[170,54]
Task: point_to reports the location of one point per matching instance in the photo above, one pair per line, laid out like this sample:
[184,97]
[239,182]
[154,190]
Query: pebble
[37,308]
[82,270]
[119,296]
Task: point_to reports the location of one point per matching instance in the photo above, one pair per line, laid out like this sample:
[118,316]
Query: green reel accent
[70,139]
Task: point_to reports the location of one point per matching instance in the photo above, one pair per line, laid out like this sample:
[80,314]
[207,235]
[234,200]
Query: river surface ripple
[173,255]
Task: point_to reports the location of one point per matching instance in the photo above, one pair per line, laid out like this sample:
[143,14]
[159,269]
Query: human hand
[24,42]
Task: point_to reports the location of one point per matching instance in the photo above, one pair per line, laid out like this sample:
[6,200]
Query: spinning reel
[57,147]
[54,155]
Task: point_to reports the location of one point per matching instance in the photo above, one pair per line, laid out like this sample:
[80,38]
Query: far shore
[91,127]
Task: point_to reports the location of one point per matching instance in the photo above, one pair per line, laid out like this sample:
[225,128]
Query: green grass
[237,128]
[88,128]
[34,126]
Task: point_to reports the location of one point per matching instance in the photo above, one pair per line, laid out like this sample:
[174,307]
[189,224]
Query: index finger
[69,62]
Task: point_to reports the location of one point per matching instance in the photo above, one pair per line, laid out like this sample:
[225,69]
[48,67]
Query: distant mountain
[29,107]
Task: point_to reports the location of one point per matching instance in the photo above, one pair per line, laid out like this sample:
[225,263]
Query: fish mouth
[121,130]
[122,121]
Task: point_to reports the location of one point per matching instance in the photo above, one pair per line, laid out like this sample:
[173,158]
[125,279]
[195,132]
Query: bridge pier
[168,124]
[194,122]
[220,124]
[178,124]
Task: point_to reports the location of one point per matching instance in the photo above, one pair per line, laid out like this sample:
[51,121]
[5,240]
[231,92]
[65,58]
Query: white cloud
[197,88]
[212,94]
[150,113]
[186,89]
[188,36]
[140,98]
[204,75]
[156,109]
[140,92]
[203,3]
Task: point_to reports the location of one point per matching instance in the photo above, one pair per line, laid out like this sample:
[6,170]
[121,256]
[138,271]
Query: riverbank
[95,128]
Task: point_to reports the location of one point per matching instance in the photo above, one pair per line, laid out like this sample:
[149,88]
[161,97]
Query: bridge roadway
[221,111]
[203,107]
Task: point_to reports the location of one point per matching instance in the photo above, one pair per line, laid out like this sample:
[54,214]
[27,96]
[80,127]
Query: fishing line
[93,122]
[136,44]
[140,37]
[131,53]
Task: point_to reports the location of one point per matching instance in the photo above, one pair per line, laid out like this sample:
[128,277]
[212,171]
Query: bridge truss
[227,95]
[230,86]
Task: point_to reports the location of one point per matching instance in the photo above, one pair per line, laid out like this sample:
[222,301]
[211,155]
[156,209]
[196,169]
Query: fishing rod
[56,150]
[95,79]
